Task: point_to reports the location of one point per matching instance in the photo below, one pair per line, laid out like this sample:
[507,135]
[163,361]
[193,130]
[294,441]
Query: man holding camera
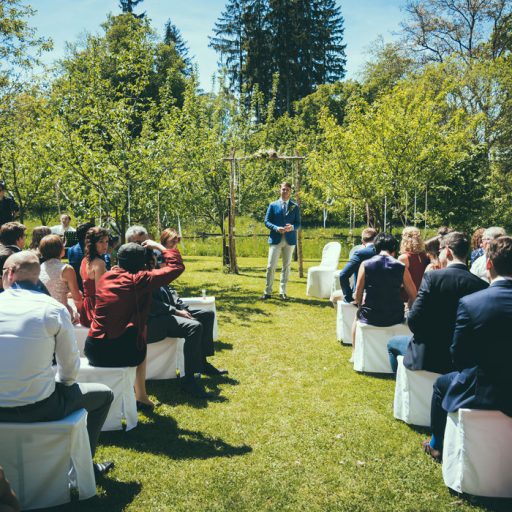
[8,206]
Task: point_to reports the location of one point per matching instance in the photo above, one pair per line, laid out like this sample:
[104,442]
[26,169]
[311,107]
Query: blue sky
[65,20]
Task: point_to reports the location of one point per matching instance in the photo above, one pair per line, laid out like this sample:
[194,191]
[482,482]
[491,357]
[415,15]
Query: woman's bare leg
[141,394]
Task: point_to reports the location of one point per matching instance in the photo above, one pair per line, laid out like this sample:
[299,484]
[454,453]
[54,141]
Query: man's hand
[288,228]
[153,245]
[184,313]
[281,230]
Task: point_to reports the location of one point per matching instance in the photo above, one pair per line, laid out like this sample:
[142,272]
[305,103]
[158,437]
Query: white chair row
[477,454]
[44,460]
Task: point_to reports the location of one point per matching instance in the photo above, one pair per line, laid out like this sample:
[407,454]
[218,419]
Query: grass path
[293,428]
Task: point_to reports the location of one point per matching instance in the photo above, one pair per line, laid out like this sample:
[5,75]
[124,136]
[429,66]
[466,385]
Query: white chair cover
[207,303]
[477,453]
[320,277]
[120,381]
[413,395]
[164,358]
[346,314]
[371,352]
[81,335]
[42,460]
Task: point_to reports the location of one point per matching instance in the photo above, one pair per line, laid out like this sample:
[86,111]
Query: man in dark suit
[432,317]
[283,220]
[481,349]
[352,267]
[8,207]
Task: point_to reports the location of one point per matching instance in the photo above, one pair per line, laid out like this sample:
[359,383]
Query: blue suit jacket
[482,351]
[275,219]
[352,268]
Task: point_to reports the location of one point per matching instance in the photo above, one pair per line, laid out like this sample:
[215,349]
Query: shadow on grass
[161,435]
[169,391]
[222,345]
[116,495]
[490,504]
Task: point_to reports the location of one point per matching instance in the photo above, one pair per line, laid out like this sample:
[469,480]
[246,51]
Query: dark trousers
[95,398]
[437,414]
[198,334]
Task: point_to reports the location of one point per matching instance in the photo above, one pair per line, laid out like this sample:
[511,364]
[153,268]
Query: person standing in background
[283,220]
[8,206]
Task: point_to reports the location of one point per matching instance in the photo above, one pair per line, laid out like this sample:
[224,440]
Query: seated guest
[477,248]
[12,240]
[479,267]
[381,278]
[366,251]
[76,252]
[444,230]
[117,336]
[91,269]
[481,349]
[413,256]
[113,244]
[59,278]
[64,226]
[432,317]
[432,248]
[169,317]
[33,328]
[38,233]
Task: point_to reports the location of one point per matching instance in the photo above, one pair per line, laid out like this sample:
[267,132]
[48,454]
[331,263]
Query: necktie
[284,207]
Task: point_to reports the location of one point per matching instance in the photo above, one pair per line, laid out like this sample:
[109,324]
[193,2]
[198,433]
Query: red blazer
[123,299]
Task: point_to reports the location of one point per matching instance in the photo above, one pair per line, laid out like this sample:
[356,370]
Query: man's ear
[488,264]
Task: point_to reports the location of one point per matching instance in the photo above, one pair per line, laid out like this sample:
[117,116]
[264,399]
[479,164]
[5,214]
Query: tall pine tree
[301,40]
[172,36]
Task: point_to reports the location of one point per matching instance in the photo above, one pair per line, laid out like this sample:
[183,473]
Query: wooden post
[299,234]
[158,223]
[233,267]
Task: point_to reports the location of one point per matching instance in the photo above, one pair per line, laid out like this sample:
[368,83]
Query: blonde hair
[411,241]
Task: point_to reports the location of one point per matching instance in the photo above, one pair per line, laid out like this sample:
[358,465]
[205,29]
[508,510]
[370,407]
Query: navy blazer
[482,351]
[352,268]
[432,317]
[275,218]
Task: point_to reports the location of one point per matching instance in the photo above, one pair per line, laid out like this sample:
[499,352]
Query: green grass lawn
[292,428]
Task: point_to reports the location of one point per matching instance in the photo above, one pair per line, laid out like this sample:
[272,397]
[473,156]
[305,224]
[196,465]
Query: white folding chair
[477,453]
[371,352]
[320,277]
[43,460]
[413,395]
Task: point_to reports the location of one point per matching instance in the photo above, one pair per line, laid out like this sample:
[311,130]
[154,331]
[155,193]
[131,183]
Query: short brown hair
[500,253]
[286,184]
[368,235]
[10,232]
[51,247]
[457,242]
[38,233]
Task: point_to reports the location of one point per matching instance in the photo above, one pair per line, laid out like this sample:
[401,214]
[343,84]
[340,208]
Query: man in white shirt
[479,267]
[33,328]
[63,228]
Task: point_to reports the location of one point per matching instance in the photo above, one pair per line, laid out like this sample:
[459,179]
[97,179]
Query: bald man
[33,328]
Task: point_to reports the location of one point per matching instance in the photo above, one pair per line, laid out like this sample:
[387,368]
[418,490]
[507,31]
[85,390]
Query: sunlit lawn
[292,428]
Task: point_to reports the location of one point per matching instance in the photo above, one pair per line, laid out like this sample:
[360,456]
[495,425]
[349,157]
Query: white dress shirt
[479,268]
[34,326]
[59,230]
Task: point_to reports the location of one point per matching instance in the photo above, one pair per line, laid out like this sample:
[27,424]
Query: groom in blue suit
[283,220]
